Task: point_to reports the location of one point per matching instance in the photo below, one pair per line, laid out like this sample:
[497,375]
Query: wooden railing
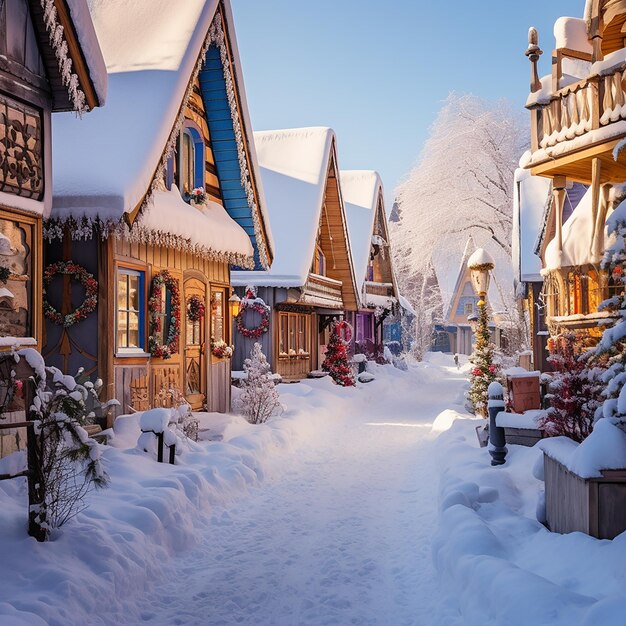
[583,106]
[323,290]
[379,289]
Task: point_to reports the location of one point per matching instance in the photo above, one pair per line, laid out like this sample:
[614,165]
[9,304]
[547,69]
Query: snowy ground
[328,515]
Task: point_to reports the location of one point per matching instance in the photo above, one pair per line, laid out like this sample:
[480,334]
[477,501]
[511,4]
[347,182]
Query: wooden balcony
[578,123]
[323,292]
[379,289]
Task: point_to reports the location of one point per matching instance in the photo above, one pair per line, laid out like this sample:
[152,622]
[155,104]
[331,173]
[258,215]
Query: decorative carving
[193,376]
[21,159]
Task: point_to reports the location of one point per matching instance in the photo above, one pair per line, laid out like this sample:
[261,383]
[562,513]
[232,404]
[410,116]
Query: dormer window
[319,262]
[190,164]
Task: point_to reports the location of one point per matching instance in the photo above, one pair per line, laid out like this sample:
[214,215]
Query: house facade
[39,75]
[156,230]
[577,124]
[312,280]
[371,256]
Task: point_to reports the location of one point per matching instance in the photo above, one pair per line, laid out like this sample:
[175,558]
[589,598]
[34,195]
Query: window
[468,308]
[319,262]
[187,162]
[130,310]
[370,272]
[293,335]
[217,316]
[18,245]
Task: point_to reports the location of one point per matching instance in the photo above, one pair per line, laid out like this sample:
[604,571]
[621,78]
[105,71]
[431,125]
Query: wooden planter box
[524,393]
[595,506]
[523,436]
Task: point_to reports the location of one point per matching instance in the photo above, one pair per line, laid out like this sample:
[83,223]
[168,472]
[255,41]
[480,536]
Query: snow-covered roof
[106,163]
[361,190]
[530,196]
[207,230]
[577,238]
[294,165]
[90,46]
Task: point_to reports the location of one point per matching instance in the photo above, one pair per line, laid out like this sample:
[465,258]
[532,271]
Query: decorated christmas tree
[259,399]
[336,361]
[485,371]
[574,388]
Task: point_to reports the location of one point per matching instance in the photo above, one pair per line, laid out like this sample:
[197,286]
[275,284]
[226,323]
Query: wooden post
[533,52]
[160,447]
[36,495]
[558,191]
[597,31]
[172,453]
[596,168]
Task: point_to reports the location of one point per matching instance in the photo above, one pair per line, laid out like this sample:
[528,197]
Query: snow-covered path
[339,534]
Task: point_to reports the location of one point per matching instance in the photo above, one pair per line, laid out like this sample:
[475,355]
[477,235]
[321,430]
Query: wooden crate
[595,506]
[523,436]
[524,393]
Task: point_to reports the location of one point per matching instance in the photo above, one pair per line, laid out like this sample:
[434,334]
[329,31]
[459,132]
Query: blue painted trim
[224,145]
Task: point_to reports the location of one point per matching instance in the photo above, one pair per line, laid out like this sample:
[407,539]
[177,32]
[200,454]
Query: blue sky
[377,72]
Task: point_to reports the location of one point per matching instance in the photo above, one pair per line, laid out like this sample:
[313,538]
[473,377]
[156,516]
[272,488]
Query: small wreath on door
[195,308]
[164,350]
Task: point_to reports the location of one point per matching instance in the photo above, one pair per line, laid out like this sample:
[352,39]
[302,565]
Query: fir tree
[336,361]
[574,388]
[484,371]
[259,399]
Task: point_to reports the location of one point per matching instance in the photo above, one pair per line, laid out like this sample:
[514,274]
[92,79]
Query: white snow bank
[528,419]
[501,564]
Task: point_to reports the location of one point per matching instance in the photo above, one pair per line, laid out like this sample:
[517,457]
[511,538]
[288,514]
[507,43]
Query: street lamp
[480,264]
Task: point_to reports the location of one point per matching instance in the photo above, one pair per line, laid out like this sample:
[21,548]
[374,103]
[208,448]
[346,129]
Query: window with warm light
[130,311]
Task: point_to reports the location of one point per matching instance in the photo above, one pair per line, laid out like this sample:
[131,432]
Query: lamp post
[484,372]
[234,302]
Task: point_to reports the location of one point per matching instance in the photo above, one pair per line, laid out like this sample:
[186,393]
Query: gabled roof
[362,192]
[108,164]
[470,246]
[294,166]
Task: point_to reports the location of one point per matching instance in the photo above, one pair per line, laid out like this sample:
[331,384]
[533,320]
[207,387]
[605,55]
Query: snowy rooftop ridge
[294,164]
[361,190]
[107,163]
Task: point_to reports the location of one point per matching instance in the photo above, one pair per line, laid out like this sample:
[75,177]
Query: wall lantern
[234,302]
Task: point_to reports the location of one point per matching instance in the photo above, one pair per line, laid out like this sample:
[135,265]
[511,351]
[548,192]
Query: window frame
[139,350]
[288,320]
[197,159]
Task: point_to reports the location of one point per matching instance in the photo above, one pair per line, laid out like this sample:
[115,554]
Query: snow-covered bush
[67,460]
[574,389]
[259,398]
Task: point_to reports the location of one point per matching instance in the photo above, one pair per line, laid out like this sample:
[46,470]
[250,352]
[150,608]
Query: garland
[156,349]
[195,308]
[252,303]
[220,348]
[76,272]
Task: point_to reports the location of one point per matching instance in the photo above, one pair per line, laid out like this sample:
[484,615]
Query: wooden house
[50,61]
[312,280]
[156,198]
[371,256]
[578,121]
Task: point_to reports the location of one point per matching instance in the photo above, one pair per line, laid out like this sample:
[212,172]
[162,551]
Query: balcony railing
[575,110]
[323,291]
[379,289]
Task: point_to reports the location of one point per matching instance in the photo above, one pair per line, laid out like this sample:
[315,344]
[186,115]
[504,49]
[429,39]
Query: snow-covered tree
[259,399]
[462,185]
[574,389]
[336,361]
[485,371]
[612,345]
[428,312]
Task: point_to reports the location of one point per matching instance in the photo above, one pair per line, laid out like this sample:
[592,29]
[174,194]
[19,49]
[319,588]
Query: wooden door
[195,345]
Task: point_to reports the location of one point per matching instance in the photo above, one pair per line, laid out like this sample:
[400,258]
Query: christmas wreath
[195,308]
[252,303]
[344,330]
[76,272]
[163,350]
[220,348]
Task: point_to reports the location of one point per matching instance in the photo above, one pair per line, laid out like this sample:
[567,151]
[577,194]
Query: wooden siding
[333,238]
